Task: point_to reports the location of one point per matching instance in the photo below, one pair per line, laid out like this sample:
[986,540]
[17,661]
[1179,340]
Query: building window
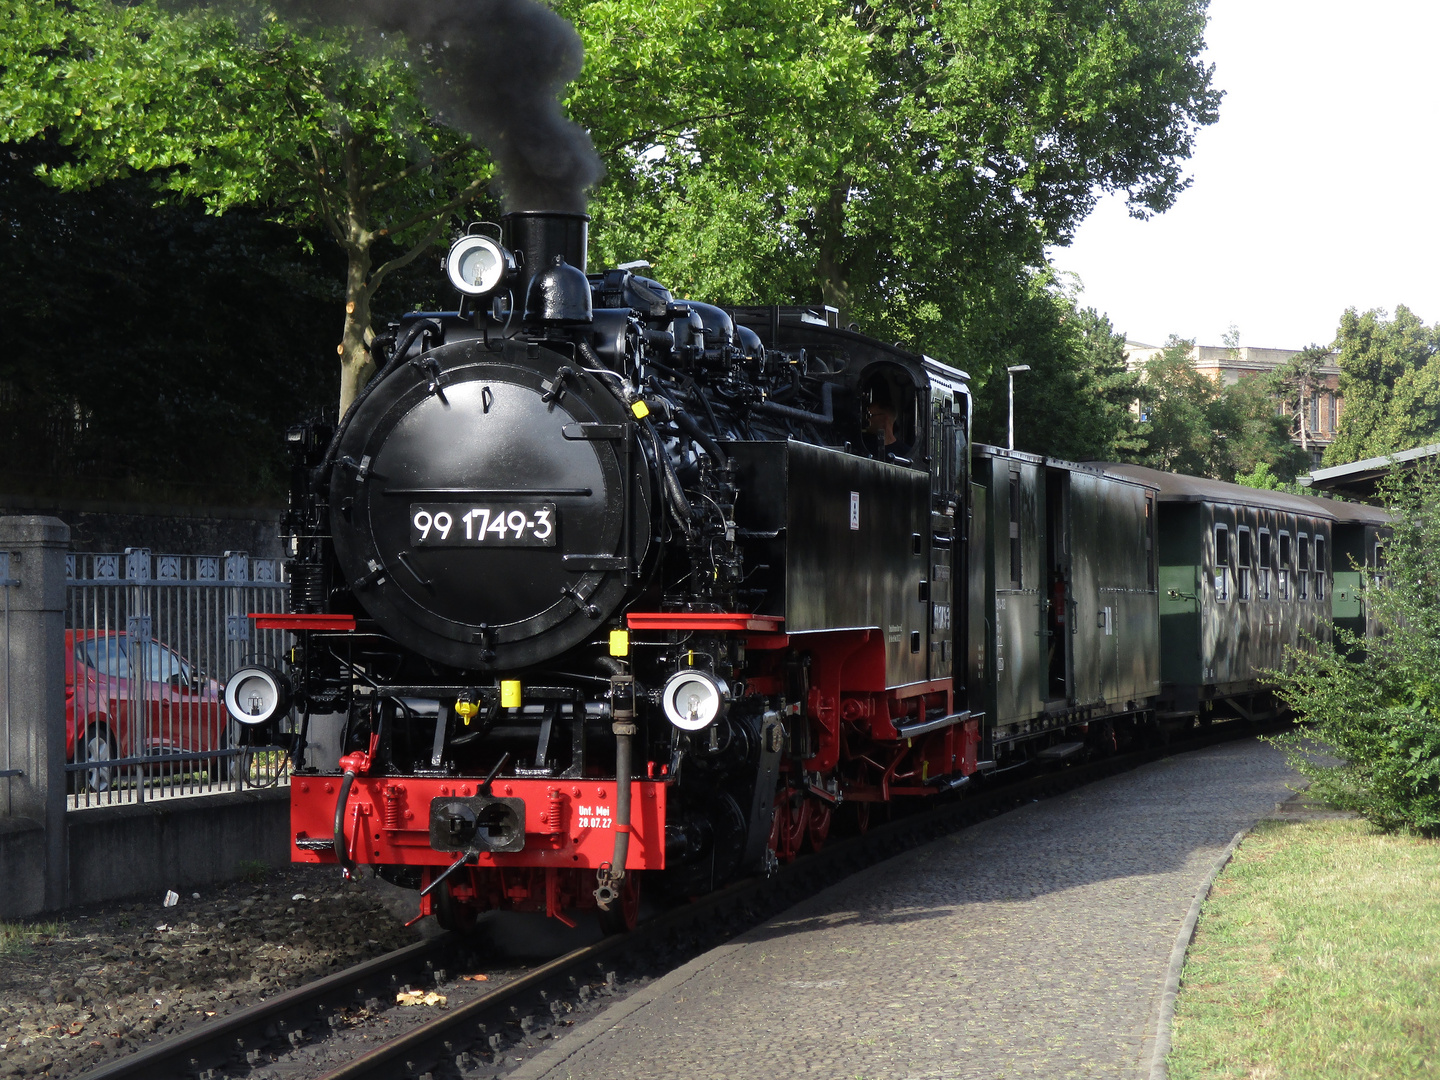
[1282,567]
[1319,568]
[1315,412]
[1262,576]
[1222,563]
[1330,407]
[1242,562]
[1302,567]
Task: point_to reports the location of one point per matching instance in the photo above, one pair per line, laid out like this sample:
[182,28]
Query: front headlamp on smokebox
[478,265]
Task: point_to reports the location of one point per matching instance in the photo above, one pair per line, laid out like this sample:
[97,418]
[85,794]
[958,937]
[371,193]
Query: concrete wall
[171,530]
[119,851]
[177,844]
[22,867]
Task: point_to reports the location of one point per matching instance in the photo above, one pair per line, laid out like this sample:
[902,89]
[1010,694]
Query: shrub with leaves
[1375,702]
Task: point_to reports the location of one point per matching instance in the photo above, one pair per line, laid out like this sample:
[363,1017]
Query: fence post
[36,695]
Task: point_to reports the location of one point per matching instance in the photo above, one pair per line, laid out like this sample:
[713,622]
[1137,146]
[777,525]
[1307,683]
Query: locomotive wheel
[787,831]
[625,912]
[821,814]
[453,914]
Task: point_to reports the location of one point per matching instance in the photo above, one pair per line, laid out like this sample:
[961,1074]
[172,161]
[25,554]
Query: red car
[128,699]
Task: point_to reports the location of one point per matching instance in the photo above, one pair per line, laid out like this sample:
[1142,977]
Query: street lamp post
[1011,372]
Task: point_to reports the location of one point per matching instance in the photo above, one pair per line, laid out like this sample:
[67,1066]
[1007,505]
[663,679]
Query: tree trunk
[830,268]
[356,366]
[1304,415]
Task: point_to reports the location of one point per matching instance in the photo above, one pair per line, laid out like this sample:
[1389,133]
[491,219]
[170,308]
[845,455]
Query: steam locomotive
[608,584]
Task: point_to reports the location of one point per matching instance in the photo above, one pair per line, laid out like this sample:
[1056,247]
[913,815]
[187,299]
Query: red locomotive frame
[871,743]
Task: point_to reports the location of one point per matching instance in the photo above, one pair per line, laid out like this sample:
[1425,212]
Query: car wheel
[98,746]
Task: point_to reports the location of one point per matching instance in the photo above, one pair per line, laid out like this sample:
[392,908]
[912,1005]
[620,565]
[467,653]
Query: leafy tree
[1295,382]
[1076,400]
[906,164]
[155,353]
[1390,381]
[909,164]
[1194,424]
[1375,701]
[323,129]
[1264,478]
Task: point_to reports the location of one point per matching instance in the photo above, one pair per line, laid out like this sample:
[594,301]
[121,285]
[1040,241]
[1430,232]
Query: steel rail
[424,1048]
[753,900]
[173,1057]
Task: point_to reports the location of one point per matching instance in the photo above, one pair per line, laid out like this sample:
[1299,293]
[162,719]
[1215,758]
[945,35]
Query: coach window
[1262,576]
[1319,568]
[1302,566]
[1282,567]
[1243,561]
[1222,563]
[1015,568]
[1150,541]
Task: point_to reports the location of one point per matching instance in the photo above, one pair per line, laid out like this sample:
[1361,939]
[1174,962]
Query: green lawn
[1317,955]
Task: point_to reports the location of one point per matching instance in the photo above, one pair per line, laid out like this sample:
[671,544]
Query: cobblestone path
[1033,945]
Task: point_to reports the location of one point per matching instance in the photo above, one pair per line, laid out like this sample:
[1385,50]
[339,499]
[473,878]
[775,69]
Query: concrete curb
[554,1057]
[1161,1045]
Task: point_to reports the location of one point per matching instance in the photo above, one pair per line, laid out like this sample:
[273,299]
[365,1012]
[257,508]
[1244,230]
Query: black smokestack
[503,66]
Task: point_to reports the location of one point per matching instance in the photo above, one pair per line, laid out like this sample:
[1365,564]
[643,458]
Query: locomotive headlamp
[257,695]
[477,265]
[693,700]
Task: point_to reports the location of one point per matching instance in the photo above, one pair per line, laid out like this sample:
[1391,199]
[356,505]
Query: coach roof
[1175,487]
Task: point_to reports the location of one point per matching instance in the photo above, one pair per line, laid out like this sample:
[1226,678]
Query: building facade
[1314,429]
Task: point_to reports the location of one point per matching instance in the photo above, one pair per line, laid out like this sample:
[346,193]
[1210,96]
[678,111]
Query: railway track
[497,1028]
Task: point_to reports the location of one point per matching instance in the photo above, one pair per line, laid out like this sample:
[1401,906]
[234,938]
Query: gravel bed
[111,977]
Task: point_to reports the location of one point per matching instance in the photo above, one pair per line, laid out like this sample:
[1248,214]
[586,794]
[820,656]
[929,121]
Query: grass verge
[16,939]
[1317,956]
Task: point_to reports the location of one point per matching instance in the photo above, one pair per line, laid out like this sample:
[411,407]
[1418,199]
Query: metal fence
[8,771]
[149,642]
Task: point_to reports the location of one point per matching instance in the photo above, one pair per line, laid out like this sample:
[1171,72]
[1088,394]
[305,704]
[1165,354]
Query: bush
[1375,702]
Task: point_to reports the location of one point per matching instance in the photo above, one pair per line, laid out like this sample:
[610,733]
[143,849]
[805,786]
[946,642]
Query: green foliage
[1075,402]
[1264,478]
[1390,380]
[322,128]
[156,354]
[1375,702]
[1294,383]
[17,939]
[905,164]
[1193,424]
[252,870]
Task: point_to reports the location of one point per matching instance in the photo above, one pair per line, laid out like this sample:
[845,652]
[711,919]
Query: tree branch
[400,261]
[467,195]
[411,170]
[645,137]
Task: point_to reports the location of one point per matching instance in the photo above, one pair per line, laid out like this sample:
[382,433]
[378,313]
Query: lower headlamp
[693,700]
[257,694]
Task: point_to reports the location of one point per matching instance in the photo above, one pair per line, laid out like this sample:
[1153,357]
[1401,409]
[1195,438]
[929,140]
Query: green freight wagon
[1064,638]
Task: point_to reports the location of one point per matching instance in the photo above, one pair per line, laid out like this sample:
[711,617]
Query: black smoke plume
[503,66]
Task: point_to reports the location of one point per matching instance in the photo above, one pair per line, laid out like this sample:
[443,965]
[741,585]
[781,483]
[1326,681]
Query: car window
[161,663]
[108,655]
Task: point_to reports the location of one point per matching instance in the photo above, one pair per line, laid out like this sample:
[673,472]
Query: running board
[1060,751]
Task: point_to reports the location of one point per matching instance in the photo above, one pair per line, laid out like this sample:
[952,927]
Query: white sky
[1315,191]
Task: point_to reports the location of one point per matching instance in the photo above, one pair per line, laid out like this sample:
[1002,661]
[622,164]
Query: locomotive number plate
[466,525]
